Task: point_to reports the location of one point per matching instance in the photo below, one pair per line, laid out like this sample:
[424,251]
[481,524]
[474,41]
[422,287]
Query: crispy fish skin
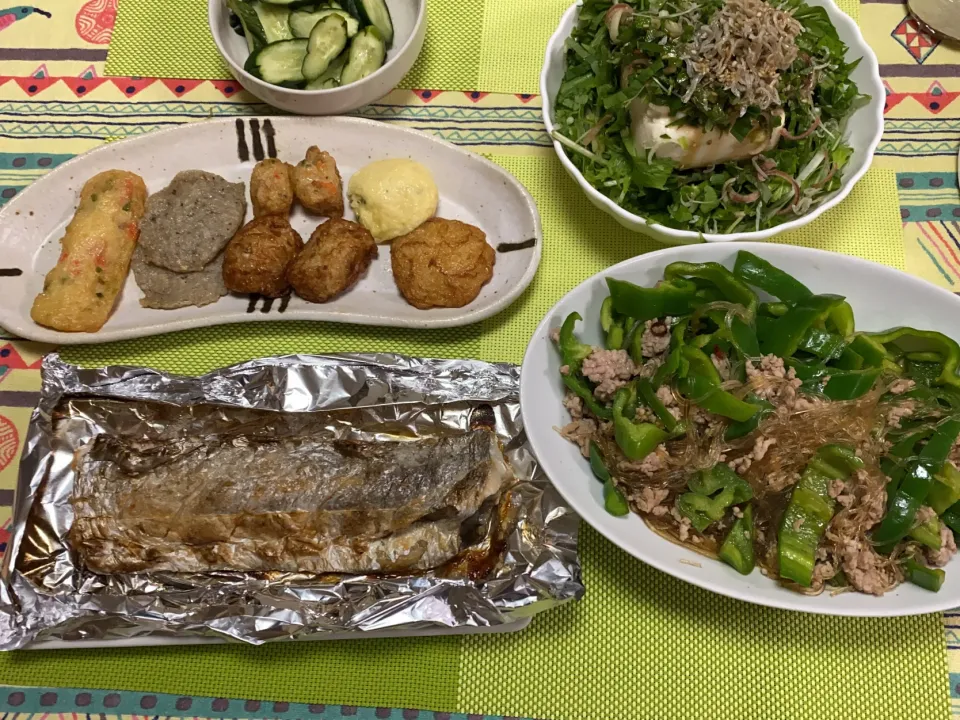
[80,291]
[291,504]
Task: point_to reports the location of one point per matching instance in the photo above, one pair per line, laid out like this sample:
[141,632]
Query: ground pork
[822,572]
[656,337]
[872,507]
[574,405]
[645,415]
[864,568]
[948,548]
[925,513]
[838,491]
[737,512]
[650,367]
[781,480]
[683,524]
[579,432]
[650,500]
[898,412]
[901,386]
[772,381]
[555,335]
[564,369]
[760,447]
[609,370]
[669,400]
[651,464]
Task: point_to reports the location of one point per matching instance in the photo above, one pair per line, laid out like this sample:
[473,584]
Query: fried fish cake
[316,182]
[167,290]
[257,257]
[443,263]
[271,187]
[80,291]
[337,254]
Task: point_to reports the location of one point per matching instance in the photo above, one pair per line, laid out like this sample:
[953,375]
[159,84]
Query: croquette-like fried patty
[337,254]
[443,263]
[257,257]
[271,187]
[317,184]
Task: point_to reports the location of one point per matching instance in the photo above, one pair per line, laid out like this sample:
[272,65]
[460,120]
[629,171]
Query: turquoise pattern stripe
[101,704]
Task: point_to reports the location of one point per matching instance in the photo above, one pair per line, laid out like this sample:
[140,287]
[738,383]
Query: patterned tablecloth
[56,102]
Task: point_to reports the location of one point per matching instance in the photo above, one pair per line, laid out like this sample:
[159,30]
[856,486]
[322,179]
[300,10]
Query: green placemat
[641,644]
[487,45]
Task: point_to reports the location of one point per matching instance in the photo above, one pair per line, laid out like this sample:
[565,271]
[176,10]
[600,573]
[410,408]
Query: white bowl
[863,131]
[409,24]
[881,297]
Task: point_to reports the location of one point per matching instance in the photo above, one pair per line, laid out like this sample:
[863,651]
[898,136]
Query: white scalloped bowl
[863,132]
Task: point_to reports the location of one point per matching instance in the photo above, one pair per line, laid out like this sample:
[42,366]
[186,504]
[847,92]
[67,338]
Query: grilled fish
[243,503]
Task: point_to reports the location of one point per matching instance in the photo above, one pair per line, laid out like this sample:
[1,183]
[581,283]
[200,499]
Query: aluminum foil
[521,557]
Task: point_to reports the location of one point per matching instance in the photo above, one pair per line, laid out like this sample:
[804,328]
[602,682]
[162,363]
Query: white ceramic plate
[472,189]
[863,131]
[881,298]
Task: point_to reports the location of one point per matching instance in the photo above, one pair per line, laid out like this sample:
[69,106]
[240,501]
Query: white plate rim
[27,329]
[601,521]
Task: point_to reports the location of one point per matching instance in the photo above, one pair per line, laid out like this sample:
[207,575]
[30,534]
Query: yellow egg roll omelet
[79,293]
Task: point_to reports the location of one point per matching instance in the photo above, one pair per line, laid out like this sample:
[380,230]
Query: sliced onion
[737,197]
[796,190]
[829,177]
[806,133]
[613,17]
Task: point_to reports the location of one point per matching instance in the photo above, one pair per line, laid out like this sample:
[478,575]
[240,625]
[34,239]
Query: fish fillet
[290,504]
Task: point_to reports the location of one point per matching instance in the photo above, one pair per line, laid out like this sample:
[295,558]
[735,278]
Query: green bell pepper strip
[737,547]
[761,274]
[905,500]
[674,298]
[822,343]
[808,372]
[697,362]
[810,510]
[701,506]
[848,359]
[907,445]
[927,533]
[939,445]
[784,335]
[744,337]
[872,352]
[613,500]
[841,320]
[667,370]
[733,289]
[923,373]
[699,390]
[579,387]
[742,429]
[636,440]
[606,314]
[597,465]
[649,396]
[773,309]
[951,518]
[615,337]
[572,351]
[720,477]
[908,340]
[850,384]
[946,489]
[926,577]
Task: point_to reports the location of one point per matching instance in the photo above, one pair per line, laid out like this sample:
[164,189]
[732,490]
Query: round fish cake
[257,257]
[392,197]
[337,254]
[443,263]
[189,222]
[166,290]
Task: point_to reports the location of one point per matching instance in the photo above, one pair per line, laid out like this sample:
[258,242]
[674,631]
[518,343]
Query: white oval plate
[472,189]
[881,297]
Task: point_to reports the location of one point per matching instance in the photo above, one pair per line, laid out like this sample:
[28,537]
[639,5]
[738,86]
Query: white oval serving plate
[472,189]
[881,297]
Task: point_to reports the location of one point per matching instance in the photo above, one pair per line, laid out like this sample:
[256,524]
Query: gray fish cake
[294,504]
[189,222]
[166,290]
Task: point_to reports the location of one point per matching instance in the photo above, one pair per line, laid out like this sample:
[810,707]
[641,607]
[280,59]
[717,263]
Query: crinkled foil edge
[539,568]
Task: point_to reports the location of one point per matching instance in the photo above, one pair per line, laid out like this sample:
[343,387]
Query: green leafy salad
[716,116]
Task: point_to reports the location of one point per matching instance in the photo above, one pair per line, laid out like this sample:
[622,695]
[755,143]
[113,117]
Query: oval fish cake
[189,222]
[166,290]
[257,257]
[271,187]
[80,291]
[443,263]
[337,254]
[317,184]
